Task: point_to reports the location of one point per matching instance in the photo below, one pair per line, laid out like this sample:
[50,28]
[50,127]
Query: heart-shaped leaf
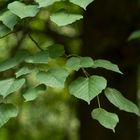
[63,18]
[9,19]
[87,88]
[82,3]
[54,77]
[105,118]
[117,99]
[22,10]
[101,63]
[7,111]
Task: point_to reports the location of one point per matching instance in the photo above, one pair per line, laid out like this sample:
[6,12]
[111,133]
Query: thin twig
[35,42]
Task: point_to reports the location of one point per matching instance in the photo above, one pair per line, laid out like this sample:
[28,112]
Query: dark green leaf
[56,50]
[4,30]
[7,111]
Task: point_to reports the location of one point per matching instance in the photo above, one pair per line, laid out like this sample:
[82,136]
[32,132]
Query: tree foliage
[14,16]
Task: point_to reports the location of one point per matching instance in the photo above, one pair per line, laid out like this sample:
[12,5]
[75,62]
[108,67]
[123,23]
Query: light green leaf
[63,18]
[82,3]
[117,99]
[44,3]
[8,64]
[32,93]
[22,10]
[4,30]
[75,63]
[54,77]
[39,58]
[9,19]
[56,50]
[9,86]
[134,35]
[105,118]
[87,88]
[101,63]
[7,111]
[23,71]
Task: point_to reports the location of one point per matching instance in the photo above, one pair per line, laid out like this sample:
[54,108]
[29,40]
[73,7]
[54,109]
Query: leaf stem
[99,104]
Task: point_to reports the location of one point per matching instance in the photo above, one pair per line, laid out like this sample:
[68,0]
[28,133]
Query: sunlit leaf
[87,88]
[75,63]
[7,111]
[105,118]
[117,99]
[82,3]
[32,93]
[53,78]
[101,63]
[22,10]
[63,18]
[9,19]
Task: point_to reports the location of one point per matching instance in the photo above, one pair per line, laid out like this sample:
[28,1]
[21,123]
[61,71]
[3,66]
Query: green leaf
[56,50]
[54,77]
[38,58]
[22,10]
[9,86]
[8,64]
[134,35]
[101,63]
[9,19]
[32,93]
[63,18]
[82,3]
[44,3]
[23,71]
[75,63]
[106,119]
[87,88]
[7,111]
[117,99]
[4,30]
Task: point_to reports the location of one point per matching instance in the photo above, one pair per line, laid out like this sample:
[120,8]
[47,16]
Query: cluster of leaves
[24,63]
